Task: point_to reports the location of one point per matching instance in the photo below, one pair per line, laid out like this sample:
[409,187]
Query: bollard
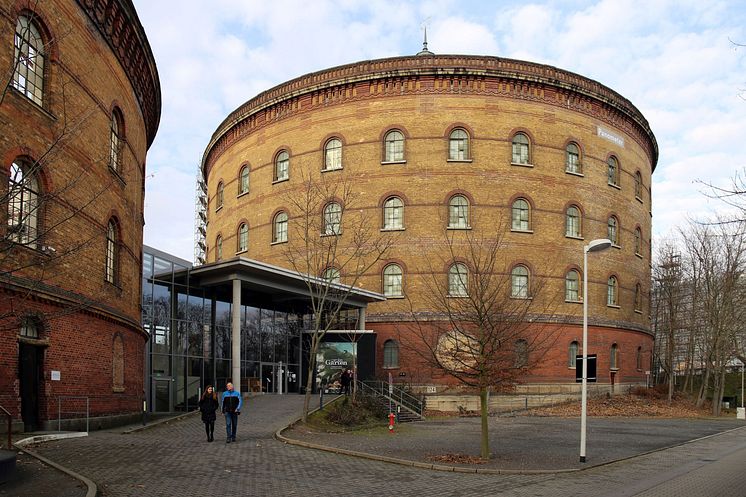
[392,417]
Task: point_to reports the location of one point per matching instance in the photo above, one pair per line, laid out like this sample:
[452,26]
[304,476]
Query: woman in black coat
[208,404]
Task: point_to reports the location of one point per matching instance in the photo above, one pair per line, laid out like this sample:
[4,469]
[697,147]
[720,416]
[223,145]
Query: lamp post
[593,246]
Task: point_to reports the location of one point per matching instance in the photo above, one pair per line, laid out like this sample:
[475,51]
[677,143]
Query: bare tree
[332,244]
[487,326]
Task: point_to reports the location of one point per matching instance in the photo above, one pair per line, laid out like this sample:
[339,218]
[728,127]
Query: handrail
[10,425]
[398,395]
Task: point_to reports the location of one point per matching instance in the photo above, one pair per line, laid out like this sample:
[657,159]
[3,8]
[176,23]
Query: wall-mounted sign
[611,136]
[56,376]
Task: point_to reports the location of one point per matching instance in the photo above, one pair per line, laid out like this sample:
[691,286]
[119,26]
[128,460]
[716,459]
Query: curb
[159,422]
[461,469]
[91,488]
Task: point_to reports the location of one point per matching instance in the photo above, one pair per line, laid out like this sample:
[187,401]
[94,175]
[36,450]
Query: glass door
[162,395]
[268,377]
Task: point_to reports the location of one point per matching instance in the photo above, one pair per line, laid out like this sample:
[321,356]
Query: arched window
[393,146]
[333,154]
[112,255]
[613,171]
[458,212]
[23,203]
[219,248]
[30,327]
[572,222]
[458,145]
[116,139]
[572,286]
[332,219]
[572,159]
[521,353]
[332,275]
[638,360]
[614,357]
[219,196]
[393,214]
[458,280]
[28,75]
[392,281]
[280,230]
[638,297]
[390,354]
[243,180]
[521,215]
[519,282]
[638,185]
[572,354]
[282,166]
[638,241]
[612,230]
[520,149]
[611,291]
[243,238]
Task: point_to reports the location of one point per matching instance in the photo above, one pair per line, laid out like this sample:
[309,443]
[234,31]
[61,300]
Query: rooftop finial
[424,50]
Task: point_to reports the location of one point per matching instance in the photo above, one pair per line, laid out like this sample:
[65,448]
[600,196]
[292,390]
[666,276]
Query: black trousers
[209,428]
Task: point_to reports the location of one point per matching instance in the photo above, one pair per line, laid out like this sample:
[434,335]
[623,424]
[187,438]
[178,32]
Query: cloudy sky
[674,59]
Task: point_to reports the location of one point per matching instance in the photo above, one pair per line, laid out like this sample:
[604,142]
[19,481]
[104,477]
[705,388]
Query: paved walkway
[174,460]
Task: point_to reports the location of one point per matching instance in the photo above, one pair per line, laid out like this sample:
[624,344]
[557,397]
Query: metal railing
[393,393]
[60,412]
[10,426]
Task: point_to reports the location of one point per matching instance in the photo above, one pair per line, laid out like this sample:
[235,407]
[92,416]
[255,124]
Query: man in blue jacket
[231,401]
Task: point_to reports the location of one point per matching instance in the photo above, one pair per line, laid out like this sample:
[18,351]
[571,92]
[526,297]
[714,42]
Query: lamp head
[598,245]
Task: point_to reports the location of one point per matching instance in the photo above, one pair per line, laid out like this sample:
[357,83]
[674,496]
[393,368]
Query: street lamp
[593,246]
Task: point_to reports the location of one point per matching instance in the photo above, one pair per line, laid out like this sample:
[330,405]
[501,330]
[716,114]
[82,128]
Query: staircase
[406,406]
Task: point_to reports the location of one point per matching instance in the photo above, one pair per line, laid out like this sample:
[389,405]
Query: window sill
[529,232]
[393,229]
[638,255]
[614,245]
[574,237]
[117,175]
[613,370]
[218,208]
[639,199]
[331,169]
[393,297]
[113,286]
[573,173]
[638,311]
[280,180]
[573,301]
[242,194]
[521,298]
[460,160]
[614,185]
[39,108]
[323,235]
[521,164]
[451,296]
[390,367]
[573,367]
[613,306]
[242,251]
[279,242]
[386,162]
[458,227]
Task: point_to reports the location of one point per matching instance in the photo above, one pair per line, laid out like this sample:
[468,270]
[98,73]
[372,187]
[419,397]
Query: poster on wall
[332,359]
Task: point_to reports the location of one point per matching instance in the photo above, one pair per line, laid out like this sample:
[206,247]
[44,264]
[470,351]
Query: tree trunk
[703,388]
[309,379]
[485,452]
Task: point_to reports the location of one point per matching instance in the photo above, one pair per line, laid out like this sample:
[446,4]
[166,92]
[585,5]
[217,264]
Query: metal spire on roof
[424,50]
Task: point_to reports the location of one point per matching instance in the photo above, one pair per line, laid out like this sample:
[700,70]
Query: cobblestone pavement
[174,460]
[34,478]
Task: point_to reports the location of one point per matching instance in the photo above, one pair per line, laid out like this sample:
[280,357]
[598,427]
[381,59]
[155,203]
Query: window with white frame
[572,222]
[332,275]
[572,286]
[28,75]
[243,180]
[611,291]
[110,268]
[638,185]
[458,145]
[614,357]
[458,285]
[333,154]
[243,238]
[612,230]
[572,159]
[521,215]
[572,354]
[519,282]
[280,230]
[392,281]
[115,141]
[394,146]
[613,171]
[23,203]
[219,196]
[332,219]
[393,214]
[390,354]
[219,248]
[282,166]
[29,328]
[520,149]
[458,212]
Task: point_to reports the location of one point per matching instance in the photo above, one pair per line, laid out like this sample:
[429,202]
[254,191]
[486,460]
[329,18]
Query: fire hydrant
[392,417]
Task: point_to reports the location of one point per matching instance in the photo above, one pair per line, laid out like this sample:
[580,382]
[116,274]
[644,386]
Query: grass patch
[345,415]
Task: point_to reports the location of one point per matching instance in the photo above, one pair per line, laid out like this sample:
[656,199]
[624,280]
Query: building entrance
[162,395]
[30,366]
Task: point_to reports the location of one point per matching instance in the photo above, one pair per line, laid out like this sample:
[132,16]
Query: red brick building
[76,118]
[442,145]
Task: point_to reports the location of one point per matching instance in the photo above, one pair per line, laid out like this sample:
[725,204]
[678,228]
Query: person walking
[232,404]
[345,379]
[208,404]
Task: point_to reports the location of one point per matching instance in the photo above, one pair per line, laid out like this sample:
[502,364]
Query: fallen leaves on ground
[456,459]
[627,405]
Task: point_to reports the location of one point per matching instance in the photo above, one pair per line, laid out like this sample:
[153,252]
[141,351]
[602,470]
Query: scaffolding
[200,220]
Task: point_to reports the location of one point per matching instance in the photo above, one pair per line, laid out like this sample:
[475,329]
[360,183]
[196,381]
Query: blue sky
[673,59]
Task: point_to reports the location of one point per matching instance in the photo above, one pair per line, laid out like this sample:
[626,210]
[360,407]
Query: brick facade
[58,278]
[425,97]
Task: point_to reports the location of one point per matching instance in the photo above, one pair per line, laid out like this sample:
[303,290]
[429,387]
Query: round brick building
[78,112]
[438,145]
